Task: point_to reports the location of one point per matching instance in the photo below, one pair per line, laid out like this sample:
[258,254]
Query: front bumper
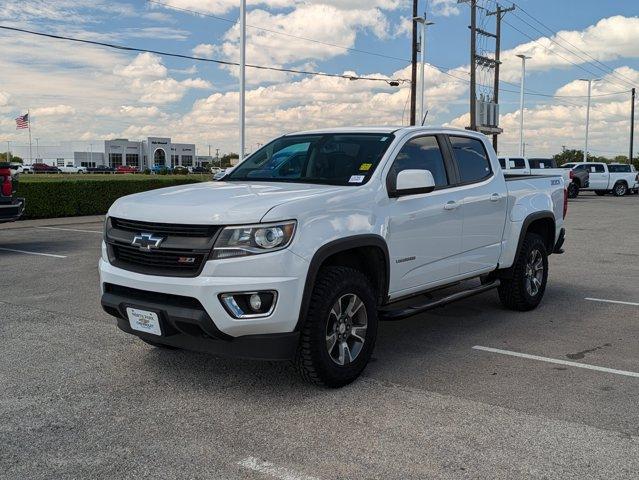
[192,315]
[12,211]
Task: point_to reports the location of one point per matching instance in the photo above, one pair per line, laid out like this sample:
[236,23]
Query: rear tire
[526,288]
[335,347]
[600,193]
[573,190]
[620,189]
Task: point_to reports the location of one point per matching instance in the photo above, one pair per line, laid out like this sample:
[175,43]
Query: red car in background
[126,169]
[11,208]
[44,168]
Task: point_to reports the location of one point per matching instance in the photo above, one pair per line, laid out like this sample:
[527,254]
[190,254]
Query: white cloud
[444,8]
[144,66]
[53,111]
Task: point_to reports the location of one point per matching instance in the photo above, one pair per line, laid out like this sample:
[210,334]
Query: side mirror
[413,182]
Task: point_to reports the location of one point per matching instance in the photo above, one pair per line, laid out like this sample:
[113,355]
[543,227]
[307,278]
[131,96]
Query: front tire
[526,288]
[340,328]
[573,190]
[620,189]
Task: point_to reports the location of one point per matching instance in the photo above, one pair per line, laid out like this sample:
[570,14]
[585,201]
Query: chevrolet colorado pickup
[305,245]
[11,208]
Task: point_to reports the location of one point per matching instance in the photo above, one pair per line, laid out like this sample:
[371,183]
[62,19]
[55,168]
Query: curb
[49,222]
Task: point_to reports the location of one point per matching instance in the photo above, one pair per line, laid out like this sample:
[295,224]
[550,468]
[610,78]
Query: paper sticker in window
[357,179]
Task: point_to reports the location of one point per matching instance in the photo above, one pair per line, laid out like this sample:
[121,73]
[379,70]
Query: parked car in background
[545,166]
[126,169]
[11,208]
[219,174]
[44,168]
[70,168]
[16,168]
[300,263]
[180,170]
[199,170]
[101,169]
[617,178]
[157,169]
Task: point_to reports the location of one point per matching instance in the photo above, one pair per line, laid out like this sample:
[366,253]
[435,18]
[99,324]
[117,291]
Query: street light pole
[589,80]
[521,103]
[422,50]
[242,77]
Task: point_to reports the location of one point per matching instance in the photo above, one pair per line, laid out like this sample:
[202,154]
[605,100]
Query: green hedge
[70,198]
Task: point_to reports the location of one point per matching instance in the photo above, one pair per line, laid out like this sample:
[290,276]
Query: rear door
[484,204]
[598,176]
[425,230]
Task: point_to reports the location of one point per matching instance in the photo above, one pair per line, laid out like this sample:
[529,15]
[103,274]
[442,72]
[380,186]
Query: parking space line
[33,253]
[267,468]
[557,361]
[619,302]
[70,229]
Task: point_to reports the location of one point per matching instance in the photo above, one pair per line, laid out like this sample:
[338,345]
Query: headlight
[253,239]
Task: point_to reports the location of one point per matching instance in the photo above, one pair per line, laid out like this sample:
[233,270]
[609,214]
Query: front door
[425,230]
[598,176]
[484,205]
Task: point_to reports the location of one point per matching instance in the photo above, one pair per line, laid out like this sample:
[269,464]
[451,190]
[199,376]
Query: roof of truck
[382,130]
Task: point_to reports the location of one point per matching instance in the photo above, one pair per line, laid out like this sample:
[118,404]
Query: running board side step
[390,314]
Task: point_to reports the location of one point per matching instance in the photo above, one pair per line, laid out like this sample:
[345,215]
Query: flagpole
[29,124]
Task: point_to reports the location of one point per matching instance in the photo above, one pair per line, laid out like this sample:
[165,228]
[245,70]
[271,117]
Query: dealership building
[152,152]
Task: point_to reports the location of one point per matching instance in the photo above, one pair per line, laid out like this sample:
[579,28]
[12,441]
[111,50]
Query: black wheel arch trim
[341,245]
[533,217]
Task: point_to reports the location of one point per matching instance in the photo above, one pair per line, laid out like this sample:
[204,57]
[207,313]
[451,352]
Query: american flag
[22,121]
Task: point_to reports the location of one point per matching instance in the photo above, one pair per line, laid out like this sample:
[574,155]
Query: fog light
[256,302]
[249,304]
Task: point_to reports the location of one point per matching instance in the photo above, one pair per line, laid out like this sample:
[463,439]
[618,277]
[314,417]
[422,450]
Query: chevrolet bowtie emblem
[147,242]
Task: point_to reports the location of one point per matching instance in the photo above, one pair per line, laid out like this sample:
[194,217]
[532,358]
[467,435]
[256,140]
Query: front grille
[168,261]
[164,228]
[182,253]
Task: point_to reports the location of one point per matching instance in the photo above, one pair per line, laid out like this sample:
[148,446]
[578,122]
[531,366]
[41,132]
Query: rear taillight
[565,202]
[7,185]
[571,174]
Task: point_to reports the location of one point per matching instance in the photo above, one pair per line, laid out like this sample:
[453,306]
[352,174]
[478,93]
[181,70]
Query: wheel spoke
[331,340]
[344,354]
[359,333]
[354,305]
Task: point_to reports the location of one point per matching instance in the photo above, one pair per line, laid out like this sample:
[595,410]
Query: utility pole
[242,77]
[521,104]
[589,80]
[499,14]
[413,76]
[632,125]
[473,65]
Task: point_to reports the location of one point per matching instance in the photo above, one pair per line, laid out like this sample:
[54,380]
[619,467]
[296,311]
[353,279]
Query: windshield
[331,159]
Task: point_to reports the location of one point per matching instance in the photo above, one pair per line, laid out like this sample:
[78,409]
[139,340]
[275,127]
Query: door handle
[495,197]
[452,205]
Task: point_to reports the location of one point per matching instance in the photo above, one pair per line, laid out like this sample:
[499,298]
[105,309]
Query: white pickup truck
[617,178]
[575,180]
[70,168]
[304,246]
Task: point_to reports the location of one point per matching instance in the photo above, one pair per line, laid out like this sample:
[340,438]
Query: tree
[225,161]
[4,157]
[569,156]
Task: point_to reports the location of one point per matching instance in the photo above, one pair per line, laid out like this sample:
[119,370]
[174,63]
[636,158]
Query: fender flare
[340,245]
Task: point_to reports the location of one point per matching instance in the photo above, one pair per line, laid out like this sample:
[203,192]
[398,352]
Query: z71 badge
[555,182]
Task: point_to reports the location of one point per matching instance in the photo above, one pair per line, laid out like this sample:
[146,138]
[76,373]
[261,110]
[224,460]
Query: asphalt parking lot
[468,391]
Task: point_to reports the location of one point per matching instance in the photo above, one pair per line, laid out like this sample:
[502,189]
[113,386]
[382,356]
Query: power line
[201,59]
[556,34]
[278,32]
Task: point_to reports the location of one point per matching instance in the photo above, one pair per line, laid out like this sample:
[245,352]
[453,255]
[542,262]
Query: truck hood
[215,203]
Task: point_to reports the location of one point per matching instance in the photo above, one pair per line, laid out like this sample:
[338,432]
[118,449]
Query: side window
[471,158]
[597,168]
[517,163]
[502,162]
[422,153]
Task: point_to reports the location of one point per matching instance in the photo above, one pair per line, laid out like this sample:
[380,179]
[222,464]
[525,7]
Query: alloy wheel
[346,329]
[534,274]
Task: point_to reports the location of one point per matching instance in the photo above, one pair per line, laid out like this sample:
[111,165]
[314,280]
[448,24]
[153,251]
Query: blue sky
[88,94]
